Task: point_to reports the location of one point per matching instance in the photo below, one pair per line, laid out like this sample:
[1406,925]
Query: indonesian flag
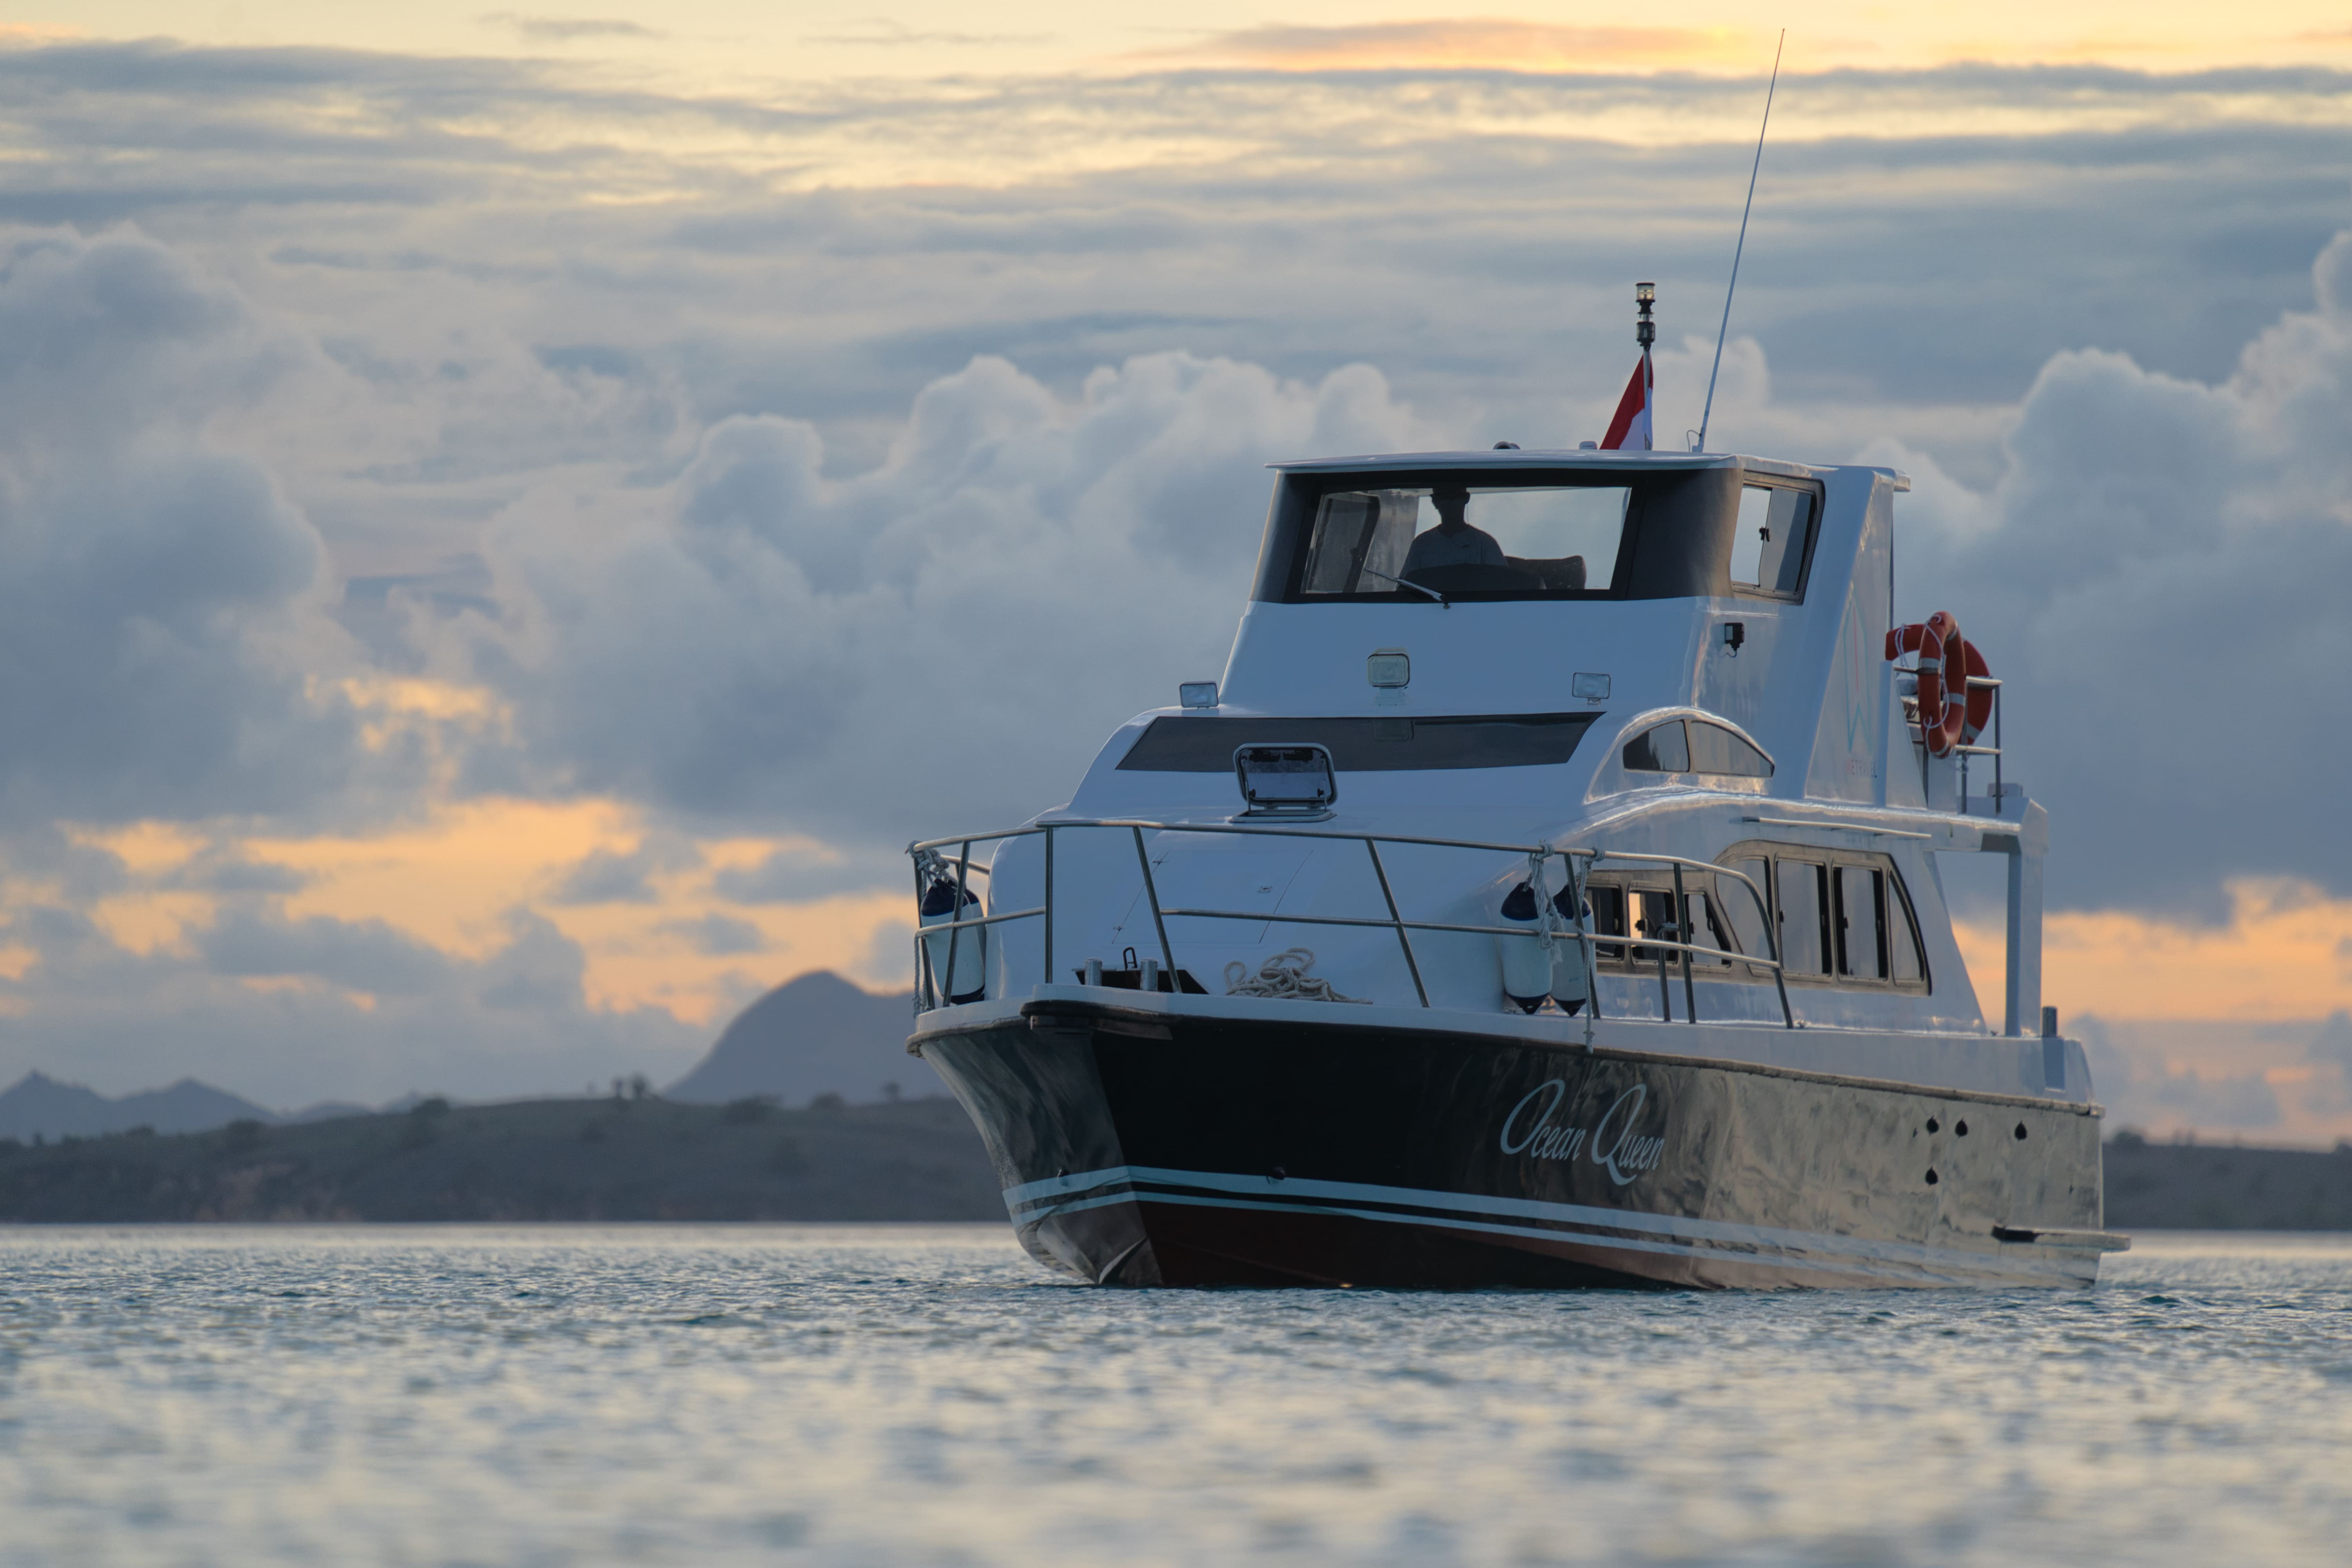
[1629,427]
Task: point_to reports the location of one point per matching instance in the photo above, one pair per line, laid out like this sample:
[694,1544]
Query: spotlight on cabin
[1197,694]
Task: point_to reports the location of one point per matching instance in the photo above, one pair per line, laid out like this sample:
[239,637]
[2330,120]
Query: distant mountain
[816,1035]
[38,1103]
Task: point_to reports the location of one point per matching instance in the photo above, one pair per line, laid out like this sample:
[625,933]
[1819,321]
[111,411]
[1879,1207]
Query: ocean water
[723,1394]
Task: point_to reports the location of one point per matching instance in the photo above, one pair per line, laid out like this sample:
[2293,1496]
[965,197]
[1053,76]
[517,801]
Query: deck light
[1197,694]
[1389,669]
[1589,688]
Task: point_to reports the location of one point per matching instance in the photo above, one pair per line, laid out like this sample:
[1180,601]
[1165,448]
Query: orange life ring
[1951,713]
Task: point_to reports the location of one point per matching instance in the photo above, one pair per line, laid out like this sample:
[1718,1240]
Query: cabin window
[1704,748]
[1845,917]
[1608,901]
[1744,911]
[1190,744]
[1716,750]
[1769,549]
[1855,917]
[1651,905]
[1456,539]
[1660,750]
[1387,531]
[1803,889]
[1909,963]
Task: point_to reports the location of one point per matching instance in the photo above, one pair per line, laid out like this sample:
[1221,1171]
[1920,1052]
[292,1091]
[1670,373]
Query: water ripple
[918,1395]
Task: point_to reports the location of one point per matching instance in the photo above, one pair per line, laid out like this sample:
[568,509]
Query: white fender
[1525,980]
[969,983]
[1570,985]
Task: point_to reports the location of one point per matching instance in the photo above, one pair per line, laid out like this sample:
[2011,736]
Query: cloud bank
[2161,574]
[389,438]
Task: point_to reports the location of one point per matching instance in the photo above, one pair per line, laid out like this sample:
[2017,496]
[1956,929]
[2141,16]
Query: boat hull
[1142,1147]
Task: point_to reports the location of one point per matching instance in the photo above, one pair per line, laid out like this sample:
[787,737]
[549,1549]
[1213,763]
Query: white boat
[1259,1005]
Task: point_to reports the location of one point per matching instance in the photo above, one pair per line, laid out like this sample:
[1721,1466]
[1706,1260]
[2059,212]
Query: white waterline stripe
[1795,1256]
[1918,1272]
[1517,1208]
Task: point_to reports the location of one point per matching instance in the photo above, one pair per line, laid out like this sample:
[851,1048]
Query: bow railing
[931,862]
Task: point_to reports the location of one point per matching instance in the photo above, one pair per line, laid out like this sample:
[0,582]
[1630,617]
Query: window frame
[1624,953]
[1896,904]
[1751,479]
[1676,541]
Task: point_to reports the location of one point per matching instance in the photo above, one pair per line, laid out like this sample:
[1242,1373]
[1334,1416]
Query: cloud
[761,461]
[2140,1089]
[567,29]
[718,936]
[1456,43]
[2159,577]
[801,874]
[2331,1052]
[539,969]
[288,1012]
[160,609]
[757,640]
[364,956]
[607,877]
[883,33]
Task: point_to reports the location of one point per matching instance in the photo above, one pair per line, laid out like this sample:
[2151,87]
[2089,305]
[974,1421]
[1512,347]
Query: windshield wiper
[1400,582]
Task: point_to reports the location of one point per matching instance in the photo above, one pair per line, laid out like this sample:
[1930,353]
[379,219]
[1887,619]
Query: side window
[1860,933]
[1607,919]
[1742,912]
[1803,890]
[1768,553]
[1707,928]
[1621,910]
[1910,964]
[1755,529]
[1660,750]
[1716,750]
[1846,917]
[1654,909]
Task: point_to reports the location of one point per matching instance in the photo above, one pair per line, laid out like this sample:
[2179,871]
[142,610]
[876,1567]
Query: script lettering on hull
[1611,1142]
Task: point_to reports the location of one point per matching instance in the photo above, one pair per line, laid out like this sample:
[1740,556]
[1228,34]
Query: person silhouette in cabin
[1454,542]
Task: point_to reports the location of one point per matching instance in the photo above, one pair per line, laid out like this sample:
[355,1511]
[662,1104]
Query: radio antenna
[1708,413]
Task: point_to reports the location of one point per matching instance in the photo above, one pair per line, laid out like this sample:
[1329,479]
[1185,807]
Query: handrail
[1973,683]
[929,863]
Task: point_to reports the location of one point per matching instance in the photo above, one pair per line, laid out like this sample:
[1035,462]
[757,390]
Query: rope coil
[1285,976]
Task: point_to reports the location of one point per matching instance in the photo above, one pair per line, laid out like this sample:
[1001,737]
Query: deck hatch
[1205,745]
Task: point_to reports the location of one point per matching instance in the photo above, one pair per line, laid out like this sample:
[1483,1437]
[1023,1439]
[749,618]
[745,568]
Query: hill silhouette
[613,1159]
[813,1036]
[39,1105]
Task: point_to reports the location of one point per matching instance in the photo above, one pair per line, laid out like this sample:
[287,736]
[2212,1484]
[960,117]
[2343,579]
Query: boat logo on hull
[1611,1143]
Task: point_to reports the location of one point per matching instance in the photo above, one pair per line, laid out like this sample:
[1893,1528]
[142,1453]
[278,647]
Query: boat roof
[1582,457]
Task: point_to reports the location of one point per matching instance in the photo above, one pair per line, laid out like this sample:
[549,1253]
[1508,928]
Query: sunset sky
[509,519]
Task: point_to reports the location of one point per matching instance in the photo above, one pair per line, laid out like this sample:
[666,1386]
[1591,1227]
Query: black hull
[1161,1148]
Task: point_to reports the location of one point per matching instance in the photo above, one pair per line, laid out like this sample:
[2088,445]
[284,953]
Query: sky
[510,520]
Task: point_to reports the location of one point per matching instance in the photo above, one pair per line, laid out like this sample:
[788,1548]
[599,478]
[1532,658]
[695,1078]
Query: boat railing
[1911,720]
[931,861]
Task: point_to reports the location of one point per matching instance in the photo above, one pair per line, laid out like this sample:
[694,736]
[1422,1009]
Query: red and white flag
[1629,428]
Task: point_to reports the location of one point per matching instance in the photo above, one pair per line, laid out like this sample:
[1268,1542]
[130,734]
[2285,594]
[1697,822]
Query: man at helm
[1452,543]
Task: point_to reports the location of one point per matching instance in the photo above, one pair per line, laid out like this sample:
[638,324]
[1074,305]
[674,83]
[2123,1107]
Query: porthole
[1961,1127]
[1934,1125]
[2021,1131]
[1931,1178]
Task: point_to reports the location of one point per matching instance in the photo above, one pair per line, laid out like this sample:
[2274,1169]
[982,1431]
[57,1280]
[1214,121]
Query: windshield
[1467,539]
